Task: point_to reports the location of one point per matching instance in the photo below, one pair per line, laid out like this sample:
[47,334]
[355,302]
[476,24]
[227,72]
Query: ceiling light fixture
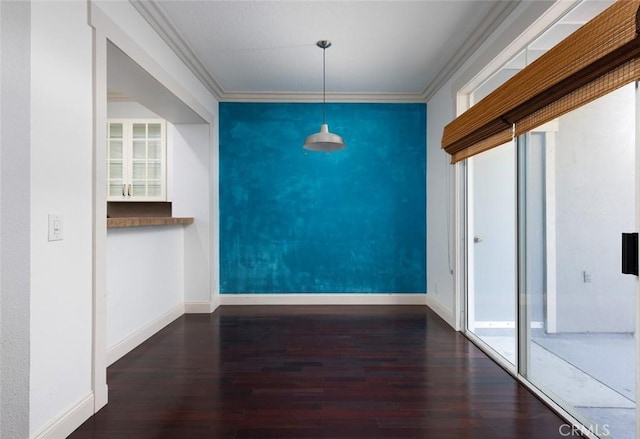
[324,140]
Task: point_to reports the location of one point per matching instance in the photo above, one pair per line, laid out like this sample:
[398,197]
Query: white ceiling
[400,50]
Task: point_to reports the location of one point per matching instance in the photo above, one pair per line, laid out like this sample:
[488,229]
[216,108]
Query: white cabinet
[136,160]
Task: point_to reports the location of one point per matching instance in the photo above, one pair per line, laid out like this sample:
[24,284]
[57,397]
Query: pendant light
[324,140]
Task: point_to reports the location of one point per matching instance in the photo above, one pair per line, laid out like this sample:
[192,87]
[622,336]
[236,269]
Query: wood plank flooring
[315,372]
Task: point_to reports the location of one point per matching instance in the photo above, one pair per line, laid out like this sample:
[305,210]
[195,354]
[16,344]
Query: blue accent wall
[293,221]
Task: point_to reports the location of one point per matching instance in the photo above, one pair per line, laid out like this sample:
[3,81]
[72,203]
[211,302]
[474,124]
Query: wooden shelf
[113,223]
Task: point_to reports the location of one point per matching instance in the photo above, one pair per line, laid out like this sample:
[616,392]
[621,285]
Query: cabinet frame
[132,155]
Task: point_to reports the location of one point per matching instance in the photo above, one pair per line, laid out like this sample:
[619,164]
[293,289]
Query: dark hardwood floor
[315,372]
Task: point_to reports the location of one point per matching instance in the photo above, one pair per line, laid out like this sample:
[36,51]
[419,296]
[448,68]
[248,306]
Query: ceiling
[266,50]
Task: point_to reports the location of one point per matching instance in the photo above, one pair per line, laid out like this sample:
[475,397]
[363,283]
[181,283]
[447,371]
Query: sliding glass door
[579,316]
[545,292]
[491,233]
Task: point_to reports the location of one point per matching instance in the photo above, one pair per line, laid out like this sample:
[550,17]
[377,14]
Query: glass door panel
[580,193]
[115,160]
[491,250]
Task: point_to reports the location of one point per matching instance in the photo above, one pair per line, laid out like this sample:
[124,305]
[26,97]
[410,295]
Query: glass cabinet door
[115,160]
[137,160]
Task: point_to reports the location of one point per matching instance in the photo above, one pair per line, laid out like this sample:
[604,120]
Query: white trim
[126,345]
[317,97]
[460,263]
[550,226]
[443,313]
[198,308]
[637,222]
[99,220]
[65,424]
[214,214]
[469,251]
[216,301]
[323,299]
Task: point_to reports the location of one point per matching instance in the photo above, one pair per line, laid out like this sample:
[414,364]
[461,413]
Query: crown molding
[498,13]
[317,97]
[159,21]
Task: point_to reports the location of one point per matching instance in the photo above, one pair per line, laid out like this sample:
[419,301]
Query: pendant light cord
[324,89]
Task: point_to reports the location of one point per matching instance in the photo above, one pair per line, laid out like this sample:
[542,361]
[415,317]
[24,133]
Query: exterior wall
[349,222]
[595,190]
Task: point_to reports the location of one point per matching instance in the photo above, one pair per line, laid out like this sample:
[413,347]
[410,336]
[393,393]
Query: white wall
[61,183]
[440,209]
[15,70]
[129,110]
[191,170]
[145,278]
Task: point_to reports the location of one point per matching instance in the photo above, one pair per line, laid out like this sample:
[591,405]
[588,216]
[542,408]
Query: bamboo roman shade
[598,58]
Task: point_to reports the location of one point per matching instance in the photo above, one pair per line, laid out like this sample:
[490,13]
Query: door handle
[630,253]
[477,239]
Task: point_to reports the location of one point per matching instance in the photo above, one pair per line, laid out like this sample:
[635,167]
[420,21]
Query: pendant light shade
[324,141]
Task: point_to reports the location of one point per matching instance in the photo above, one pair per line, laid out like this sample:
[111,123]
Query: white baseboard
[216,301]
[444,313]
[100,397]
[123,347]
[198,307]
[323,299]
[64,425]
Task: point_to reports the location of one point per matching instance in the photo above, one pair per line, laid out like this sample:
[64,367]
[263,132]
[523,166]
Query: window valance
[598,58]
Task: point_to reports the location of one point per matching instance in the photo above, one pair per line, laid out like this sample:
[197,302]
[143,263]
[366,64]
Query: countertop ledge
[113,223]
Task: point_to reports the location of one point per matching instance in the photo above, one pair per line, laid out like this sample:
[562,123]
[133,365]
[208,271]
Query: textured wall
[353,221]
[61,362]
[15,208]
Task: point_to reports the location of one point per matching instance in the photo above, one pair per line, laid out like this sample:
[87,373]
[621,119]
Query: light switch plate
[55,227]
